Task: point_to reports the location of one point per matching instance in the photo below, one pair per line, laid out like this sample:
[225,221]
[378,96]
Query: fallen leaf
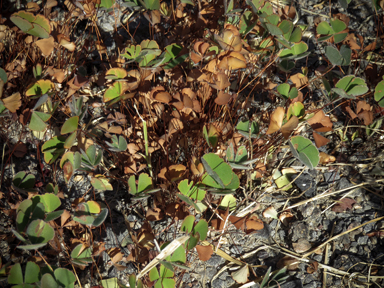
[270,212]
[320,122]
[241,275]
[13,102]
[204,252]
[154,214]
[343,204]
[239,222]
[253,224]
[115,254]
[326,158]
[276,120]
[217,223]
[46,45]
[312,268]
[320,140]
[286,217]
[291,263]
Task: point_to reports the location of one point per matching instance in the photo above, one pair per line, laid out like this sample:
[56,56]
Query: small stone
[298,230]
[362,240]
[218,283]
[314,284]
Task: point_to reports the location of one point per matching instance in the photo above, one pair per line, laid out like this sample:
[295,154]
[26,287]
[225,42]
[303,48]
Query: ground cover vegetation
[174,114]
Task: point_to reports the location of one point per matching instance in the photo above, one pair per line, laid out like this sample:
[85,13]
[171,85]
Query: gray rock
[215,261]
[292,284]
[314,284]
[306,183]
[362,240]
[218,283]
[298,230]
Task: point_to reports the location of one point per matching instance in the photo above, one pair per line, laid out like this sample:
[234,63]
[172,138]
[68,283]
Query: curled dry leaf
[230,39]
[276,120]
[173,173]
[134,79]
[204,252]
[286,217]
[66,42]
[270,212]
[320,122]
[199,48]
[299,80]
[288,127]
[115,254]
[175,125]
[364,112]
[241,275]
[253,224]
[239,222]
[221,81]
[197,167]
[154,214]
[159,94]
[326,158]
[231,61]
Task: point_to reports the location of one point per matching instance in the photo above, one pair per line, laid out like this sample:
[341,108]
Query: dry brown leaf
[175,125]
[320,122]
[276,120]
[320,140]
[98,248]
[239,222]
[286,217]
[154,214]
[288,127]
[343,205]
[325,158]
[230,39]
[364,111]
[299,80]
[32,7]
[253,224]
[220,81]
[115,254]
[176,211]
[312,268]
[20,150]
[222,98]
[13,102]
[204,252]
[217,223]
[159,94]
[46,45]
[292,263]
[197,167]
